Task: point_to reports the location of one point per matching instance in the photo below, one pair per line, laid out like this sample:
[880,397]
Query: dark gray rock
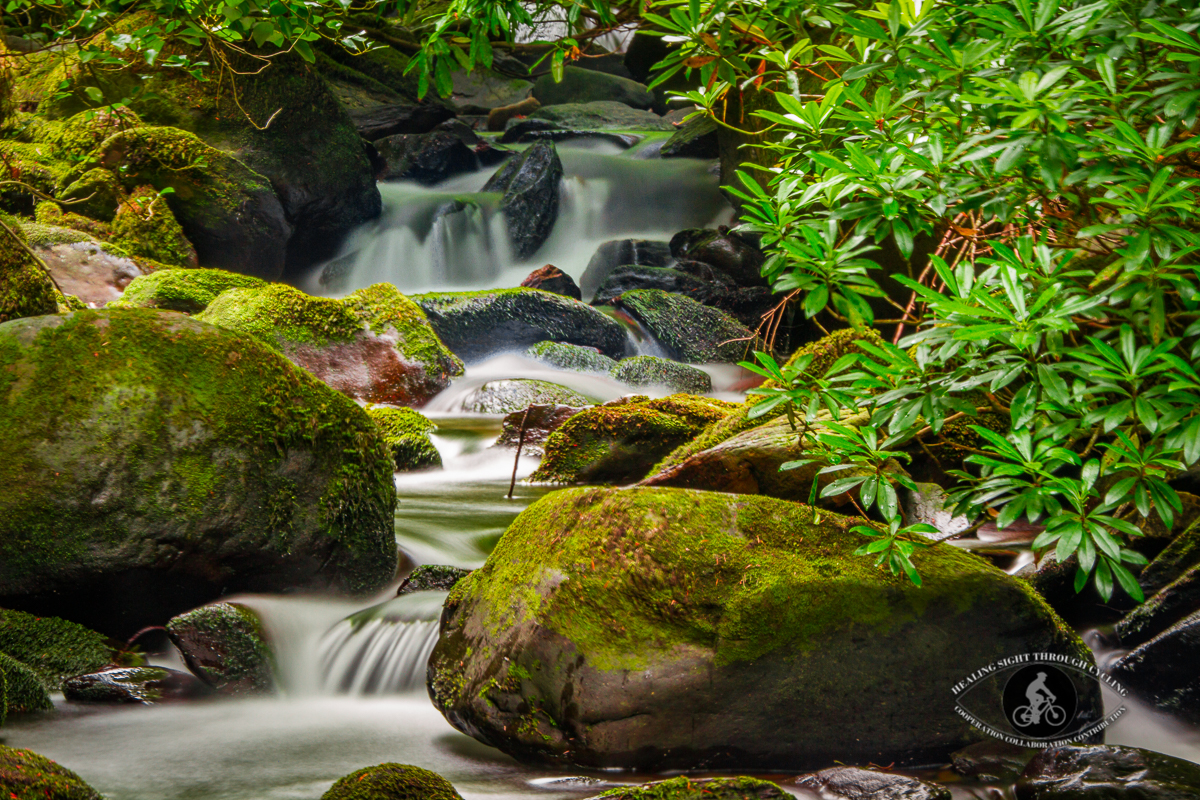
[139,685]
[622,252]
[852,783]
[1108,772]
[694,139]
[992,761]
[529,184]
[608,63]
[432,577]
[507,396]
[427,158]
[465,133]
[516,127]
[225,646]
[1168,566]
[687,330]
[1168,606]
[601,115]
[640,371]
[538,422]
[586,86]
[556,134]
[725,250]
[380,121]
[552,279]
[1163,670]
[630,278]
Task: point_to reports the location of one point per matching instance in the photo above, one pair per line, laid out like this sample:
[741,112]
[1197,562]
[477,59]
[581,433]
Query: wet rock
[186,290]
[426,158]
[264,479]
[1107,772]
[21,690]
[373,345]
[406,433]
[230,213]
[992,761]
[476,325]
[622,612]
[1055,581]
[687,330]
[931,505]
[852,783]
[135,685]
[724,249]
[83,267]
[694,139]
[571,357]
[1169,605]
[1162,671]
[25,288]
[26,775]
[55,649]
[619,441]
[538,422]
[556,134]
[480,91]
[601,115]
[632,278]
[640,371]
[1168,566]
[224,645]
[392,782]
[552,279]
[622,252]
[517,127]
[529,184]
[379,121]
[507,396]
[685,788]
[432,577]
[498,118]
[465,133]
[587,86]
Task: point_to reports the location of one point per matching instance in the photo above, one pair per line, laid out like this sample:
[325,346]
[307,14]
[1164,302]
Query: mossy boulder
[586,86]
[374,345]
[675,629]
[477,325]
[639,371]
[696,138]
[601,115]
[154,461]
[406,433]
[225,646]
[227,211]
[53,648]
[687,330]
[685,788]
[25,775]
[620,440]
[144,227]
[96,194]
[25,288]
[392,782]
[432,578]
[22,689]
[186,290]
[573,357]
[134,686]
[507,396]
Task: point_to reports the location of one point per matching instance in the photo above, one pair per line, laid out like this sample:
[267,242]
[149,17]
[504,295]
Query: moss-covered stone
[25,288]
[576,358]
[406,433]
[134,439]
[685,788]
[225,646]
[96,194]
[186,290]
[639,371]
[392,782]
[667,629]
[1173,562]
[54,648]
[145,228]
[375,344]
[23,692]
[432,577]
[25,775]
[687,330]
[619,441]
[507,396]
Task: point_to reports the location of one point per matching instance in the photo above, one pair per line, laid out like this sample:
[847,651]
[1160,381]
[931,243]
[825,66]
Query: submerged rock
[724,249]
[538,422]
[687,330]
[373,345]
[186,290]
[507,396]
[432,577]
[53,648]
[604,619]
[694,139]
[529,185]
[181,460]
[21,690]
[476,325]
[619,253]
[224,645]
[685,788]
[134,685]
[392,782]
[576,358]
[640,371]
[25,288]
[552,279]
[852,783]
[587,86]
[620,440]
[406,433]
[601,115]
[25,775]
[1107,772]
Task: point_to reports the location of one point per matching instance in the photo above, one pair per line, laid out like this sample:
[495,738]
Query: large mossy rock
[1107,772]
[53,648]
[601,115]
[25,288]
[529,189]
[640,371]
[619,441]
[477,325]
[687,330]
[586,86]
[25,775]
[571,357]
[144,227]
[22,690]
[673,629]
[407,433]
[225,646]
[154,461]
[186,290]
[392,782]
[228,211]
[374,345]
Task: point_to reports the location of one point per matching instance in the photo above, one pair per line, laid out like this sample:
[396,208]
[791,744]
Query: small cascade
[597,388]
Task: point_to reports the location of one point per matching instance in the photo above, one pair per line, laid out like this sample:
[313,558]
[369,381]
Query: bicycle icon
[1050,713]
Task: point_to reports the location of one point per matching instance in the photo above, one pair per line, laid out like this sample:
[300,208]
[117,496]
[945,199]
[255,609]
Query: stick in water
[520,443]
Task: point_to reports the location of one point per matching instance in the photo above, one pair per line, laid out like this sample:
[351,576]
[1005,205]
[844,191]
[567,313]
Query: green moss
[653,371]
[25,775]
[828,349]
[432,577]
[392,782]
[23,689]
[685,788]
[145,228]
[406,433]
[54,648]
[161,393]
[690,331]
[571,357]
[381,307]
[186,290]
[619,441]
[25,287]
[46,236]
[224,644]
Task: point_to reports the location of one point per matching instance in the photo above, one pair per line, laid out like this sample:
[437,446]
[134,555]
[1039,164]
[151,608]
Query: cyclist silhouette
[1041,700]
